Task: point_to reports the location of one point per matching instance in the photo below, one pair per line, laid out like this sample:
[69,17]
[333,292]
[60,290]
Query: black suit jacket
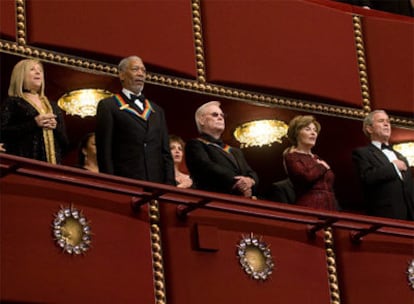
[385,193]
[213,169]
[283,192]
[131,147]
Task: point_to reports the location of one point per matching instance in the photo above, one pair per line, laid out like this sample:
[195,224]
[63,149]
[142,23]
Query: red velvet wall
[374,271]
[33,269]
[8,19]
[292,46]
[159,31]
[204,276]
[390,47]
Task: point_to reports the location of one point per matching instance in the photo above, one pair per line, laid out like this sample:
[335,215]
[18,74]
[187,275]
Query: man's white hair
[200,112]
[124,62]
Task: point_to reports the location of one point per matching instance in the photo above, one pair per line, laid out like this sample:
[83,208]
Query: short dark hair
[83,143]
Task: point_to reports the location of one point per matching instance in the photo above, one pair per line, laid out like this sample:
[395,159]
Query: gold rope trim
[331,265]
[157,258]
[194,86]
[21,21]
[363,74]
[198,41]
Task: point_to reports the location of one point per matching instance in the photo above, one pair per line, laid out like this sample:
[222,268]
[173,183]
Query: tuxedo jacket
[283,191]
[214,169]
[129,146]
[386,194]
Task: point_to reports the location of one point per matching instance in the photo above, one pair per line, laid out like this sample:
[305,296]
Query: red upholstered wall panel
[289,45]
[205,277]
[7,19]
[375,271]
[117,269]
[390,56]
[158,31]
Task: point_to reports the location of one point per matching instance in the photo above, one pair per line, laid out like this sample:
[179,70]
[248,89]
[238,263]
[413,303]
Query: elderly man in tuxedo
[131,132]
[214,165]
[386,179]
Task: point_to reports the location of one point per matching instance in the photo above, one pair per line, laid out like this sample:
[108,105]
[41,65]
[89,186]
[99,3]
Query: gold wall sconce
[82,102]
[406,149]
[260,132]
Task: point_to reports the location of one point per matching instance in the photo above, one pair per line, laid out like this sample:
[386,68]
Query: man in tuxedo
[386,178]
[131,132]
[213,165]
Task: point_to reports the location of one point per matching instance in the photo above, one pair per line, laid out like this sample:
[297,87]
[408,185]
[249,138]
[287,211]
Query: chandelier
[82,102]
[260,132]
[406,149]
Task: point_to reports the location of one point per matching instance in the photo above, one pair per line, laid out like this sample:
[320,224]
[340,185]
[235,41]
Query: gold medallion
[410,274]
[71,231]
[255,257]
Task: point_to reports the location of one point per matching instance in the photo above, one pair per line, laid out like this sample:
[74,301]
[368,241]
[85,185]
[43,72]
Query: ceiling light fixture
[260,132]
[82,102]
[406,149]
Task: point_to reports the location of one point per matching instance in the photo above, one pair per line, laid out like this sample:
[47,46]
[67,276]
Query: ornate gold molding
[363,74]
[194,86]
[331,265]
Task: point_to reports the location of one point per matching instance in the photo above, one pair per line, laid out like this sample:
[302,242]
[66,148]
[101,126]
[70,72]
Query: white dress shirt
[389,154]
[138,102]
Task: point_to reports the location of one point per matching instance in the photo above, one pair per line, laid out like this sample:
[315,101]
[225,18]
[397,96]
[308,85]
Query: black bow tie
[140,97]
[386,147]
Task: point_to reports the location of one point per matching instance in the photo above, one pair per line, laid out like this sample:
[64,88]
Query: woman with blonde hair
[31,125]
[311,176]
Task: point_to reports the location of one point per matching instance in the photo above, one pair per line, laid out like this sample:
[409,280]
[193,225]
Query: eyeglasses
[216,114]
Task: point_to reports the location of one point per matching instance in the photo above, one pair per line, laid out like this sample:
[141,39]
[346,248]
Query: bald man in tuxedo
[385,175]
[214,165]
[131,132]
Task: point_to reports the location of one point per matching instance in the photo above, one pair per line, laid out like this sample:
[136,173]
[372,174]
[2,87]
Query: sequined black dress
[21,135]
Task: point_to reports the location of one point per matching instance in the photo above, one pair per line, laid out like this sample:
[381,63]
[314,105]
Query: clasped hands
[47,121]
[244,184]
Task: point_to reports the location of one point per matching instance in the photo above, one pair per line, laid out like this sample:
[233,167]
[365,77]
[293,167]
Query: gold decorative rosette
[71,231]
[410,274]
[255,257]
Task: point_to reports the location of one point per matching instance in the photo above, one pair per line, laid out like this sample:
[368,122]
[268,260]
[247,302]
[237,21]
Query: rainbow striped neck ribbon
[226,148]
[124,106]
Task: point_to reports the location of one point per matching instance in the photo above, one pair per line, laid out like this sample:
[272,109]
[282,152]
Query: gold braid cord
[198,41]
[21,22]
[331,264]
[157,259]
[363,74]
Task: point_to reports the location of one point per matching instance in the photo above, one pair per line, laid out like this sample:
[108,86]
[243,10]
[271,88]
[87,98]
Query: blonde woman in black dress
[31,125]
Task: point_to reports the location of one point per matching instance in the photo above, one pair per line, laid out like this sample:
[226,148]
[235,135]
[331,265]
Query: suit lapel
[378,154]
[227,151]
